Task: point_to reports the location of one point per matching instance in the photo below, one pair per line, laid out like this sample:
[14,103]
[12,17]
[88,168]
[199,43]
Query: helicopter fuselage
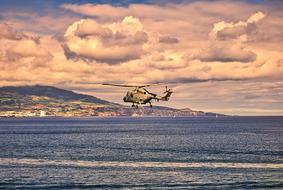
[138,96]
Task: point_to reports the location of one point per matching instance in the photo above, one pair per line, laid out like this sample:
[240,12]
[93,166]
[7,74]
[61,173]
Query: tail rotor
[167,93]
[167,90]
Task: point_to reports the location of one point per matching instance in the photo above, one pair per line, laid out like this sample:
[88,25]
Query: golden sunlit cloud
[114,43]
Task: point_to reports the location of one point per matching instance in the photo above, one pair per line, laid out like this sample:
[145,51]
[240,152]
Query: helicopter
[140,95]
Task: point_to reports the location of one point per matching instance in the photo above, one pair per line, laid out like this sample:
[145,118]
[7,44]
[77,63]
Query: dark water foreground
[142,153]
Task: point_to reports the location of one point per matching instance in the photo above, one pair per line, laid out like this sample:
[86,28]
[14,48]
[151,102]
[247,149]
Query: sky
[220,56]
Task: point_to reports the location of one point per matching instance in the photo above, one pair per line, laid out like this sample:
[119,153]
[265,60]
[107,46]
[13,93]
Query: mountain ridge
[50,91]
[41,100]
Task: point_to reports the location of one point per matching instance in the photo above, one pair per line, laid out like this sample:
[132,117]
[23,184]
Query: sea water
[141,153]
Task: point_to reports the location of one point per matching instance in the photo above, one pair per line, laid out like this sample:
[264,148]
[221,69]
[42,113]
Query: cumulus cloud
[256,17]
[226,31]
[27,48]
[227,41]
[110,43]
[90,27]
[231,32]
[7,32]
[227,53]
[17,45]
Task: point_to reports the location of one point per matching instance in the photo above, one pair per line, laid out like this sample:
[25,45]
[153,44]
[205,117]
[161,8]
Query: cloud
[27,48]
[231,32]
[18,45]
[168,40]
[227,41]
[226,31]
[7,32]
[227,53]
[89,27]
[110,43]
[97,9]
[256,17]
[167,60]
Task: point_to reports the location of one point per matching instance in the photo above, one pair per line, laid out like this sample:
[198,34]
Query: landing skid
[136,106]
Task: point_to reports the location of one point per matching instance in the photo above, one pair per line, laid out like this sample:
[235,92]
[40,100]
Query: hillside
[51,92]
[51,101]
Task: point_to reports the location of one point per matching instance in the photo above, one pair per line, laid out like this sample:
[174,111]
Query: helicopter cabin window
[130,94]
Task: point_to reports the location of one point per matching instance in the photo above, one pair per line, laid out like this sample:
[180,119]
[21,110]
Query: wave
[134,164]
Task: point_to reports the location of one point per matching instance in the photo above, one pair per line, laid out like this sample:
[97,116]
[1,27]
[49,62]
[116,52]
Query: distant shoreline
[90,117]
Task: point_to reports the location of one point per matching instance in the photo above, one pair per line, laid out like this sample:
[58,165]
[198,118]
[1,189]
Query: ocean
[141,153]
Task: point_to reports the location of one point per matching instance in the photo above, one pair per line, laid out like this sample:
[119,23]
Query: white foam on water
[81,163]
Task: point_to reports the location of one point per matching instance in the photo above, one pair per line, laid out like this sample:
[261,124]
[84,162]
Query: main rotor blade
[124,85]
[120,85]
[147,85]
